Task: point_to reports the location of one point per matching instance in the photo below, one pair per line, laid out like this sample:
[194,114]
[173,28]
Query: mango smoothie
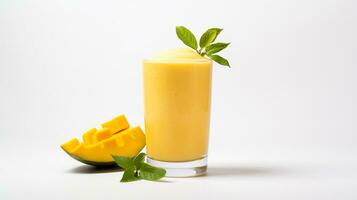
[177,97]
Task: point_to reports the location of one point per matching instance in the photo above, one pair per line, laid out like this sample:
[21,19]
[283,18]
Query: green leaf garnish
[220,60]
[186,36]
[136,169]
[209,36]
[139,159]
[216,47]
[206,47]
[124,162]
[151,173]
[129,176]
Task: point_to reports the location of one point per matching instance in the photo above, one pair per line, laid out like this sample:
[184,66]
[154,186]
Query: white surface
[50,175]
[283,118]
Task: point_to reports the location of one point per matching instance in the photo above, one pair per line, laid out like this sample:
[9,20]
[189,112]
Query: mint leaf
[207,47]
[129,176]
[139,159]
[136,169]
[218,31]
[124,162]
[216,47]
[186,36]
[151,173]
[219,59]
[209,36]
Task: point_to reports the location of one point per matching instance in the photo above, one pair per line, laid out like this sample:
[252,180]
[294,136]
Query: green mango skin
[92,163]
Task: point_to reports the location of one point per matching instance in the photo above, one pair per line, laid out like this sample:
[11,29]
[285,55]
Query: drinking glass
[177,101]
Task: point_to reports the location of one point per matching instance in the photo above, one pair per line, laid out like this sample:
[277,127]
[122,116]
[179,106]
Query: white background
[283,117]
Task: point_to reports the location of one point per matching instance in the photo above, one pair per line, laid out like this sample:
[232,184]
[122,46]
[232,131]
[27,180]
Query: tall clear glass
[177,100]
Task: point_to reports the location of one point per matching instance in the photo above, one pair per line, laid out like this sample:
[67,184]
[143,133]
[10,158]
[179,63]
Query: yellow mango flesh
[88,136]
[127,143]
[72,144]
[117,124]
[100,135]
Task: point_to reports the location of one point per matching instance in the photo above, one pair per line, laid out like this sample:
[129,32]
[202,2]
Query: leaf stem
[200,52]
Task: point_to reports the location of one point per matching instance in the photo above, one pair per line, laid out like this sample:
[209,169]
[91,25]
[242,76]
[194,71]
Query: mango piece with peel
[126,143]
[117,124]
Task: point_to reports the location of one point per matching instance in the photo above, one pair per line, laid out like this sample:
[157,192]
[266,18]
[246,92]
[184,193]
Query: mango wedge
[115,138]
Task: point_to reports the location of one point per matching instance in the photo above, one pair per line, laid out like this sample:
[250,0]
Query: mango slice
[98,146]
[128,143]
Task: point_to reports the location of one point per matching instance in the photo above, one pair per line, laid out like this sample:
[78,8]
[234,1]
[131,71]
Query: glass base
[181,169]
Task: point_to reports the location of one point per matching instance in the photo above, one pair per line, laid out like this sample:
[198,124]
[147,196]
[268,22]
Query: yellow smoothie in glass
[177,97]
